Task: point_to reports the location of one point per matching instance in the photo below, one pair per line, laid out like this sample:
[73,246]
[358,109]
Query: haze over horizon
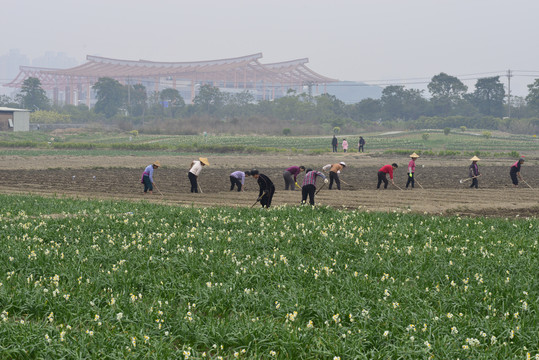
[373,41]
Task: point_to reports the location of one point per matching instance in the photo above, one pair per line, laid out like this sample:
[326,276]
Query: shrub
[487,134]
[463,128]
[425,136]
[287,131]
[447,131]
[336,130]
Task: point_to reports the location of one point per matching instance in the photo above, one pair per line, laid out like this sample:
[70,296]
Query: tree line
[450,105]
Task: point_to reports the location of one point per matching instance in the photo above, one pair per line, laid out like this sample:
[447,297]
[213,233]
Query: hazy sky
[357,40]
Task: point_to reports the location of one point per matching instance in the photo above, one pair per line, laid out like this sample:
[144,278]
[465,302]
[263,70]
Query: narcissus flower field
[115,280]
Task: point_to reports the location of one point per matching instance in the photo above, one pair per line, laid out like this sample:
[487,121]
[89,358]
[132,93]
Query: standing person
[411,170]
[237,178]
[361,144]
[147,176]
[382,175]
[334,143]
[287,175]
[194,171]
[267,189]
[344,145]
[309,185]
[334,174]
[515,171]
[474,172]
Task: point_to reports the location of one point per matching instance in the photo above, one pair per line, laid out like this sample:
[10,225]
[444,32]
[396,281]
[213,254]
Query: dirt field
[119,178]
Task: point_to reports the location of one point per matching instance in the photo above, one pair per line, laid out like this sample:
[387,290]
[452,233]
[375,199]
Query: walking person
[309,185]
[147,176]
[237,178]
[382,175]
[411,170]
[515,171]
[194,171]
[292,171]
[334,174]
[267,189]
[474,172]
[344,145]
[361,144]
[334,143]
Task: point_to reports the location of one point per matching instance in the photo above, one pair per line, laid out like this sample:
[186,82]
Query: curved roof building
[246,73]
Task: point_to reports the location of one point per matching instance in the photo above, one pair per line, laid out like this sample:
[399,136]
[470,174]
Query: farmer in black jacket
[267,189]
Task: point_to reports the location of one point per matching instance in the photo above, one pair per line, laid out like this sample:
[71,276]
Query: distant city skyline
[375,41]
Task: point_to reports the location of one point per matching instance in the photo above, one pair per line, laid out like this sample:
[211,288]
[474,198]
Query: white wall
[21,121]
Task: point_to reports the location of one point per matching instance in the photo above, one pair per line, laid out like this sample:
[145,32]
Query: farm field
[122,279]
[118,177]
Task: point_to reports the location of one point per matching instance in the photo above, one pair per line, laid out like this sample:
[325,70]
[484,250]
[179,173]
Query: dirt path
[119,178]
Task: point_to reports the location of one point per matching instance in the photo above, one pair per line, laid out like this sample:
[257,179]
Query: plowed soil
[442,192]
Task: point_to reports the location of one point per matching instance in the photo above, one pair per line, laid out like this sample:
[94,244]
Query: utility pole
[509,75]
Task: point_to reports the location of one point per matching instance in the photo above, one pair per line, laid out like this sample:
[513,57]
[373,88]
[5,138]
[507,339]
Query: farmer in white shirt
[194,171]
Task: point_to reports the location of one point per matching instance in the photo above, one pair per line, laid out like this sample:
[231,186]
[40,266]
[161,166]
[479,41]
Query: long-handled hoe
[156,188]
[470,178]
[260,197]
[317,191]
[397,186]
[200,188]
[526,183]
[418,183]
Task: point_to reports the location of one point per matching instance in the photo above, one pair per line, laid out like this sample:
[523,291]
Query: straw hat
[204,161]
[414,155]
[475,158]
[156,163]
[342,163]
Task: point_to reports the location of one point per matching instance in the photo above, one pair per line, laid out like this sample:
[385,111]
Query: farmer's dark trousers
[334,148]
[308,190]
[265,201]
[288,180]
[147,183]
[474,183]
[333,176]
[382,177]
[411,180]
[235,181]
[194,184]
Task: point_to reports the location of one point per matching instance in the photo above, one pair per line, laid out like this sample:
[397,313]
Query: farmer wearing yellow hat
[147,176]
[411,170]
[194,171]
[474,172]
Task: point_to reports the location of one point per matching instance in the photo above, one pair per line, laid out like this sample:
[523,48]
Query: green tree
[368,109]
[533,97]
[488,96]
[32,95]
[209,99]
[401,103]
[111,96]
[137,100]
[447,92]
[173,100]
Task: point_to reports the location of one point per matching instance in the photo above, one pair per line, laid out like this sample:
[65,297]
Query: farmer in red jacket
[382,174]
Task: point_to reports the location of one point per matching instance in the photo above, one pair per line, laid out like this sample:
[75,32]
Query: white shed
[14,119]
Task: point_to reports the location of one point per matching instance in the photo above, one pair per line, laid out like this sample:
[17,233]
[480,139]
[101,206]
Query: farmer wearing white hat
[147,176]
[474,172]
[411,170]
[334,174]
[194,171]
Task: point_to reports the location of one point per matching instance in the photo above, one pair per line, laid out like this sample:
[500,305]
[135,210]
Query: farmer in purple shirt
[288,173]
[238,178]
[147,176]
